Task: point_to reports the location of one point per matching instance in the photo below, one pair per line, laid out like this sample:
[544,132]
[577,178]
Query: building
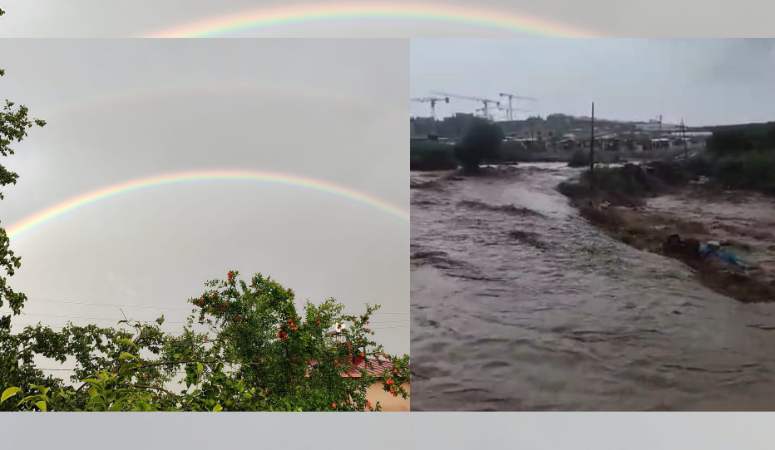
[375,393]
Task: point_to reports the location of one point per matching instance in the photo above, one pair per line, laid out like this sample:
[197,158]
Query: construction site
[556,133]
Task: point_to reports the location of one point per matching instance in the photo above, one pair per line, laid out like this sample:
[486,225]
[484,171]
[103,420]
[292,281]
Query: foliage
[738,139]
[741,156]
[752,170]
[14,124]
[482,141]
[260,355]
[579,158]
[426,154]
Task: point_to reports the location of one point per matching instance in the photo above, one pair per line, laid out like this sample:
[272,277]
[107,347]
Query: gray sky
[656,18]
[119,110]
[704,81]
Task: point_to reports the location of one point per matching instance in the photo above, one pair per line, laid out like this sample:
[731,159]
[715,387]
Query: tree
[14,124]
[481,142]
[260,355]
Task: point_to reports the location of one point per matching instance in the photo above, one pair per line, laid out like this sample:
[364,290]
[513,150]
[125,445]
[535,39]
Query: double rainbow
[300,14]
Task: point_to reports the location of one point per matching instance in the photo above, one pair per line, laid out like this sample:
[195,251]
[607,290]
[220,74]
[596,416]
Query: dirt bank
[643,207]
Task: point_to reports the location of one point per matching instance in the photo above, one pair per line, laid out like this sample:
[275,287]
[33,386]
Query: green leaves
[243,366]
[10,392]
[127,341]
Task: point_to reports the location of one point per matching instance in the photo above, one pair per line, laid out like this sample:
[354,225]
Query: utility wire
[159,307]
[147,320]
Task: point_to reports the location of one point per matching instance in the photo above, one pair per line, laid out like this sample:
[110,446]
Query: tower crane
[503,108]
[432,101]
[511,97]
[485,101]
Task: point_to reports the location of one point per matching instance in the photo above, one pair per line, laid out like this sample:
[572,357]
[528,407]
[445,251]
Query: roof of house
[376,368]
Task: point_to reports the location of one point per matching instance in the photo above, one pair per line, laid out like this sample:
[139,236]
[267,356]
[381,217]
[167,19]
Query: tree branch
[182,403]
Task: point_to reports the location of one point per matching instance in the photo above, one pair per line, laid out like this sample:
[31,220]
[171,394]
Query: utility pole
[592,144]
[686,146]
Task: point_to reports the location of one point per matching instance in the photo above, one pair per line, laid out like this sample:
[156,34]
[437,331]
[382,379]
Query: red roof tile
[374,367]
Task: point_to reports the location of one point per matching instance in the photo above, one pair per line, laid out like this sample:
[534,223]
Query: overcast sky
[704,81]
[655,18]
[119,110]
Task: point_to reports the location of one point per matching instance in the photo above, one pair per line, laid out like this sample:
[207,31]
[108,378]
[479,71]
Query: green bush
[579,158]
[481,142]
[752,170]
[431,155]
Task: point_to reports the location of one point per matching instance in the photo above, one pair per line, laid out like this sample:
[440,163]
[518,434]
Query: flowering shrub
[261,354]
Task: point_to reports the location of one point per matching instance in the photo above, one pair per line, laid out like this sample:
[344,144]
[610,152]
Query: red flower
[262,359]
[368,404]
[393,391]
[213,294]
[334,405]
[318,322]
[231,275]
[362,354]
[317,315]
[367,322]
[353,320]
[336,362]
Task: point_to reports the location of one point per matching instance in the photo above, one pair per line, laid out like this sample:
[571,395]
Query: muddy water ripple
[519,304]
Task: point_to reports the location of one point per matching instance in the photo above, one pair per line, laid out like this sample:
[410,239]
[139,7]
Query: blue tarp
[724,256]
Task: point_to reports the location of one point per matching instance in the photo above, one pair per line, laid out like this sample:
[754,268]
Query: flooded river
[519,304]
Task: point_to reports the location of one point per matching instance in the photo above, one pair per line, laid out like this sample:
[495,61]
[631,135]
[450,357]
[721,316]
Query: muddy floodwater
[519,304]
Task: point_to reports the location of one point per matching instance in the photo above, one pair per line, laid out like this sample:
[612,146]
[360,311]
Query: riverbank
[427,155]
[642,207]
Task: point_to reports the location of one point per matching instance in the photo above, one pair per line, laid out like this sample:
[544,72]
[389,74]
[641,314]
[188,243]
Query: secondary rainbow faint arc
[268,17]
[28,224]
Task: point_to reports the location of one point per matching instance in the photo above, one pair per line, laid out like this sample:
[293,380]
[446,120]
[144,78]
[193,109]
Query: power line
[196,323]
[163,308]
[149,320]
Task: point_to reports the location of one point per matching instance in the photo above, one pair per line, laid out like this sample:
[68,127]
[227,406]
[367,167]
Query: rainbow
[136,94]
[30,223]
[288,15]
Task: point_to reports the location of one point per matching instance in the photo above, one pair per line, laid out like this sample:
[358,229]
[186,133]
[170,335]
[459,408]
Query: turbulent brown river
[519,304]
